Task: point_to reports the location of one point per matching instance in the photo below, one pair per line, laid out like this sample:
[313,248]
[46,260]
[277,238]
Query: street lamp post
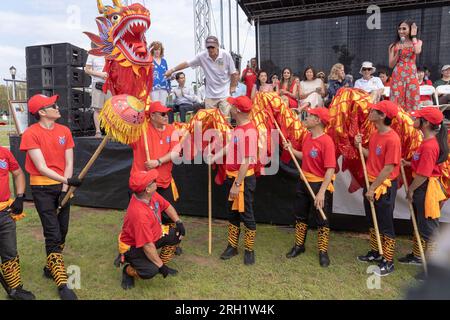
[13,71]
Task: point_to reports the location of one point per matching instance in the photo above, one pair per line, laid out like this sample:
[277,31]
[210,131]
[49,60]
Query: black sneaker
[172,272]
[178,251]
[386,268]
[20,294]
[410,259]
[324,260]
[229,253]
[295,251]
[371,256]
[127,280]
[66,294]
[249,257]
[47,273]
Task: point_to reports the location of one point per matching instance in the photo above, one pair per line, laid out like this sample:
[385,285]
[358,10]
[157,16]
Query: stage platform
[106,186]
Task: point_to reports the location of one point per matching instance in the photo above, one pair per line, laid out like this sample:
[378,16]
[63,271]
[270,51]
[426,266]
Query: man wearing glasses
[49,161]
[219,69]
[161,152]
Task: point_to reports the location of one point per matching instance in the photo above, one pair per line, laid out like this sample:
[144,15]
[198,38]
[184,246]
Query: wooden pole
[147,152]
[414,222]
[209,210]
[84,171]
[372,206]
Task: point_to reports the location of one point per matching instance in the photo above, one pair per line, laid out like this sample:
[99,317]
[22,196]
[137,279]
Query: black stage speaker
[58,69]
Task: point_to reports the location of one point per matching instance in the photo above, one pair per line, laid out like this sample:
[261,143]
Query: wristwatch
[237,184]
[20,195]
[159,163]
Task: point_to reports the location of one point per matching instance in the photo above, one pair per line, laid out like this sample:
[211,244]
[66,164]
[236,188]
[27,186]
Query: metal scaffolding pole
[202,29]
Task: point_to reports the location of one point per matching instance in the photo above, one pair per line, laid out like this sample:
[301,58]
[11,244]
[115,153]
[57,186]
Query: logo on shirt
[62,140]
[3,164]
[416,156]
[378,150]
[314,153]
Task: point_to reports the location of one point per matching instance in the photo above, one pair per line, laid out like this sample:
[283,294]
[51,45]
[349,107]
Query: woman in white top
[369,83]
[312,90]
[261,84]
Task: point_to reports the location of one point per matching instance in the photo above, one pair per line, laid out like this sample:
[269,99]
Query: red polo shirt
[243,144]
[7,164]
[384,149]
[142,223]
[319,154]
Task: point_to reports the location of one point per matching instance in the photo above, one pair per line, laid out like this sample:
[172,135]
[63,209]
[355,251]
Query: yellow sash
[313,178]
[382,188]
[6,204]
[42,181]
[123,247]
[238,202]
[174,190]
[433,196]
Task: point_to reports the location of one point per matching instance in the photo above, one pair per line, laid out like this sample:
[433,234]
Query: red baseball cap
[322,113]
[389,108]
[39,101]
[141,179]
[157,106]
[431,114]
[243,103]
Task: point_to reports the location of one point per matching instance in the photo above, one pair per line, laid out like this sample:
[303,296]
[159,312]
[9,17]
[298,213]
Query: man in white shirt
[218,67]
[184,97]
[94,68]
[369,83]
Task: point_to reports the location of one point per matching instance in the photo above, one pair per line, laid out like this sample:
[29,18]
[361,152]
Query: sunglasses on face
[366,69]
[163,114]
[51,107]
[210,48]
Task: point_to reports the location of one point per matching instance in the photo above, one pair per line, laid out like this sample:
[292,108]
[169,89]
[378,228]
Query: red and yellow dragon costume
[121,40]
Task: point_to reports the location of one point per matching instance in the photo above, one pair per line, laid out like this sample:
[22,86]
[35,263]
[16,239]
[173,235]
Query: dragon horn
[117,3]
[100,6]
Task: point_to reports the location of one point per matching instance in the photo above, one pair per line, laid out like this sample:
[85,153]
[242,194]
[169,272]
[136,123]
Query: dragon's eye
[115,18]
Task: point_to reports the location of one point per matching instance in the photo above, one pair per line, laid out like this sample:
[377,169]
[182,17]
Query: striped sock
[300,233]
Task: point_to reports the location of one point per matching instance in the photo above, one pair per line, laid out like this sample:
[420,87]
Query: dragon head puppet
[121,40]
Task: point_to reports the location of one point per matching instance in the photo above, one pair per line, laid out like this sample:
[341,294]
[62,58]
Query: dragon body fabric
[121,40]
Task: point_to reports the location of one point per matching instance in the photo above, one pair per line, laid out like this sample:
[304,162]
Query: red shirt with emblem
[319,154]
[7,164]
[159,144]
[53,144]
[424,159]
[250,78]
[243,144]
[384,149]
[142,223]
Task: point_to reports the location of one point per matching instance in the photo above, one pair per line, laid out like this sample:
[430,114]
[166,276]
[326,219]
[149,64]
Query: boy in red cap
[161,151]
[383,167]
[49,161]
[425,191]
[9,212]
[143,231]
[241,156]
[318,157]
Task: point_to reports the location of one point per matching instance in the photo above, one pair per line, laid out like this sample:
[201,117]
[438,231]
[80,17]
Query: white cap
[447,66]
[367,65]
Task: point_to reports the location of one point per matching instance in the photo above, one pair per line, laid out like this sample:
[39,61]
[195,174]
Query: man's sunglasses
[210,48]
[54,106]
[366,69]
[162,114]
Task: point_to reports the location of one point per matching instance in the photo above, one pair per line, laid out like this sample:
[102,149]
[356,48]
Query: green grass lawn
[91,245]
[4,138]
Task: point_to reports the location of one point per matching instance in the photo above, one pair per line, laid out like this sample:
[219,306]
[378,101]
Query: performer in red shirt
[10,211]
[241,156]
[249,76]
[318,157]
[143,231]
[49,161]
[383,168]
[426,191]
[161,150]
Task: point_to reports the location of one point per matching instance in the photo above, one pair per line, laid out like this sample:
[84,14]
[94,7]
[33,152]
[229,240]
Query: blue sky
[35,22]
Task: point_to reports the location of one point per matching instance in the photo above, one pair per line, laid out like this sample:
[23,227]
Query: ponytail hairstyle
[441,136]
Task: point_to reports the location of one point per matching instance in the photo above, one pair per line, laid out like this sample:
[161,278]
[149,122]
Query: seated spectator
[184,98]
[237,88]
[445,80]
[261,84]
[369,83]
[312,90]
[275,83]
[427,73]
[337,80]
[424,100]
[385,77]
[289,89]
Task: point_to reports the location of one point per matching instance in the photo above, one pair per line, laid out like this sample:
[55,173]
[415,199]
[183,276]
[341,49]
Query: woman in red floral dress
[402,57]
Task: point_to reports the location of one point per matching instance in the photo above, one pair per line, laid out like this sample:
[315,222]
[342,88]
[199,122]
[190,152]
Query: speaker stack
[58,69]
